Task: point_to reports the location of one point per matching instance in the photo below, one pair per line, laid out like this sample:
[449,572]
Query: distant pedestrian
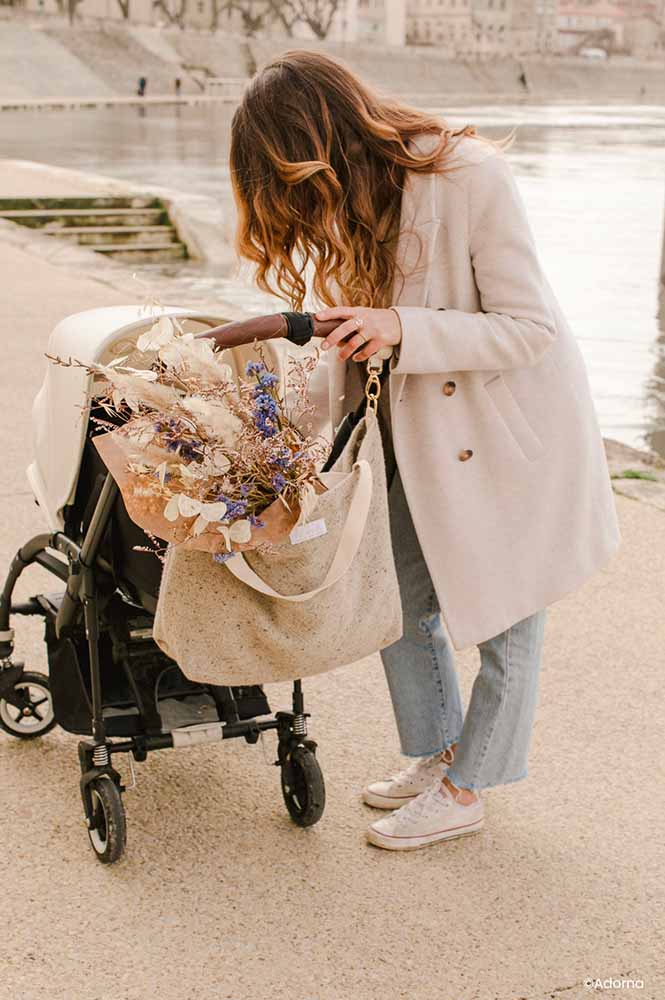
[523,80]
[143,84]
[178,86]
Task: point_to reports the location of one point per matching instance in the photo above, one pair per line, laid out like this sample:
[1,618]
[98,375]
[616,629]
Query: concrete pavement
[220,897]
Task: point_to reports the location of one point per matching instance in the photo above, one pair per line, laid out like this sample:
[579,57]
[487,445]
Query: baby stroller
[108,680]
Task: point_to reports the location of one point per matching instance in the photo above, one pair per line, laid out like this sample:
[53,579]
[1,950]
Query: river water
[593,180]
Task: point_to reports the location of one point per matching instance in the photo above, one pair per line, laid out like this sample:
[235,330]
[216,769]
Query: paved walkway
[29,179]
[58,103]
[220,897]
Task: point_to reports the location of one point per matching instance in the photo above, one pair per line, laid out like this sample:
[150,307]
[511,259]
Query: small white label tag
[305,532]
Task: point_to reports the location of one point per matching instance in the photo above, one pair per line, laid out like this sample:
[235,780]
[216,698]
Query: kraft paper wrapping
[117,451]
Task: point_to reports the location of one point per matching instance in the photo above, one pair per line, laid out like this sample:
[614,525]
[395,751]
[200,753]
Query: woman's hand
[373,328]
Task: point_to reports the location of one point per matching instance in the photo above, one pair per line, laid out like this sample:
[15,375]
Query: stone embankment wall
[49,59]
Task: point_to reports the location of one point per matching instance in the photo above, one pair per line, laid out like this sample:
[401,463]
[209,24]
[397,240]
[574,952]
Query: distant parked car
[592,53]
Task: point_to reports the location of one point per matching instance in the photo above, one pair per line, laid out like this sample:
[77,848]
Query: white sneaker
[407,784]
[432,816]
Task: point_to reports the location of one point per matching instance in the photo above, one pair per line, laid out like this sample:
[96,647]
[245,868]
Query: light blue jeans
[493,737]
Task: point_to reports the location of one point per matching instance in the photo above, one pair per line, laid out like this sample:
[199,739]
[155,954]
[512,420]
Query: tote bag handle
[349,543]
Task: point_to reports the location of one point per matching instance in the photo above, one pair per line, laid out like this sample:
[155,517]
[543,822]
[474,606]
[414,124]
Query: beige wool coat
[495,431]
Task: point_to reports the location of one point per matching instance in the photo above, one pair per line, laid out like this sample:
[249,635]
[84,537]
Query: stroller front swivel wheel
[303,787]
[27,710]
[108,835]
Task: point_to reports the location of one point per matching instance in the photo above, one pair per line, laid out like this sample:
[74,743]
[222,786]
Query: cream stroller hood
[61,407]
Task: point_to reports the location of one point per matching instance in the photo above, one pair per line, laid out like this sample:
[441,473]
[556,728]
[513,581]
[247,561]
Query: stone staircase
[132,228]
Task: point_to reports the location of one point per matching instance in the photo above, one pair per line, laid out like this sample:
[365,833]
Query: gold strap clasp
[373,384]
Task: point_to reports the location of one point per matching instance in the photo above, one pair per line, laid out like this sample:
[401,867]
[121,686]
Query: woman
[416,239]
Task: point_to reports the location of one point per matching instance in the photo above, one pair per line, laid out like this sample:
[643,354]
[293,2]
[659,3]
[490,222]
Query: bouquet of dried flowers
[204,458]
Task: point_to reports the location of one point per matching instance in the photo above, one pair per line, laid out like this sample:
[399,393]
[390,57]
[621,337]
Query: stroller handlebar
[268,327]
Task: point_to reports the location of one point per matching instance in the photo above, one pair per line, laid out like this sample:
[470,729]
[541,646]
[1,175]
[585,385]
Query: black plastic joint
[300,327]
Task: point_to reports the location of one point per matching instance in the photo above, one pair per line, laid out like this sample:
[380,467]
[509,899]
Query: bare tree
[318,15]
[285,14]
[254,14]
[173,10]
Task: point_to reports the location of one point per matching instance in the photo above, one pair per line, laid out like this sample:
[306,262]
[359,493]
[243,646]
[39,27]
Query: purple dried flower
[266,425]
[281,458]
[234,508]
[264,401]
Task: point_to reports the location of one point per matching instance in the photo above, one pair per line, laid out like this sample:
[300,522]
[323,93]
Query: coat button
[465,455]
[449,388]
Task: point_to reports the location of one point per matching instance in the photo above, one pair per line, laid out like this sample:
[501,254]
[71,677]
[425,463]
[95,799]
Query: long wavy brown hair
[318,164]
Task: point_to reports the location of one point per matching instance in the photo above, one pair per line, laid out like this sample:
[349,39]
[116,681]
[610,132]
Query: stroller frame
[100,782]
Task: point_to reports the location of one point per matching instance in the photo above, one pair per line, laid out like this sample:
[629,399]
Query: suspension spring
[100,755]
[299,725]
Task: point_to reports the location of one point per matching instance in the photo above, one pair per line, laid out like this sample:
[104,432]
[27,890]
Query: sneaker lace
[425,803]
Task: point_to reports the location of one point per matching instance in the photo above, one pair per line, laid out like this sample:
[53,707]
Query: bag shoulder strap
[349,543]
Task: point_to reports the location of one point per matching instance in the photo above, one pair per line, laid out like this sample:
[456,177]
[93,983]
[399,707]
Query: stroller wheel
[29,713]
[303,787]
[108,836]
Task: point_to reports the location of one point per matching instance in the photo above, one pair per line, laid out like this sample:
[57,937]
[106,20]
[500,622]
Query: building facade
[381,22]
[533,26]
[630,26]
[483,27]
[446,24]
[491,25]
[464,28]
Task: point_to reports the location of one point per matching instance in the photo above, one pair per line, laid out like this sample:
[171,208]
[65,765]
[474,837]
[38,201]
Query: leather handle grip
[267,327]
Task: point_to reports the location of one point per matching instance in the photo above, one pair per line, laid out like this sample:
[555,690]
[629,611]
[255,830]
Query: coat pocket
[511,413]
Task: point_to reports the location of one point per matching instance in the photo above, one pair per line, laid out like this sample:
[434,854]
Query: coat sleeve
[515,326]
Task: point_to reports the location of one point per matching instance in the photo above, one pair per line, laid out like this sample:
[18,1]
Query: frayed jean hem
[476,787]
[430,753]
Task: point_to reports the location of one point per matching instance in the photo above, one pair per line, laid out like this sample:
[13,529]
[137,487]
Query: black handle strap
[300,327]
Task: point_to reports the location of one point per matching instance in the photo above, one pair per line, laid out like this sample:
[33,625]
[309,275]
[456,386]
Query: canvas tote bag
[304,608]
